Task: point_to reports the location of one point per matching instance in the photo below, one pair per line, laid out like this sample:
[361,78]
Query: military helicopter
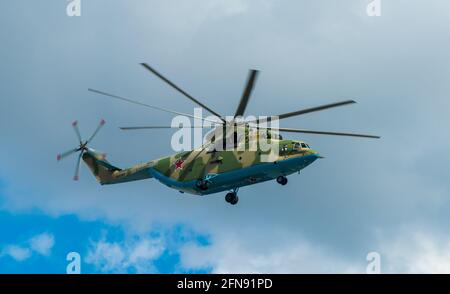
[210,169]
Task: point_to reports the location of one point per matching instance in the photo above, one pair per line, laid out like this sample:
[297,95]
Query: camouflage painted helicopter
[210,169]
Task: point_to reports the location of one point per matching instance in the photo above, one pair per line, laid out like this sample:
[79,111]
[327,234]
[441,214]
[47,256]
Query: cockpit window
[304,145]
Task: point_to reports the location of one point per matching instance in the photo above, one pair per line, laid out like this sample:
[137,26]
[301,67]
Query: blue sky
[390,196]
[70,234]
[155,251]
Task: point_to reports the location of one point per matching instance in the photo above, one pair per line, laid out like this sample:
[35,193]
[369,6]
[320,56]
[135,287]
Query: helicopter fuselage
[206,172]
[237,177]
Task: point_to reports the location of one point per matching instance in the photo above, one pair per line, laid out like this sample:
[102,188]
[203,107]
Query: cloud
[107,257]
[16,252]
[234,255]
[309,52]
[146,250]
[41,244]
[416,252]
[411,250]
[190,17]
[126,255]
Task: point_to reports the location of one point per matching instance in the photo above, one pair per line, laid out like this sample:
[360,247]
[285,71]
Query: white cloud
[233,255]
[17,252]
[145,250]
[416,252]
[107,257]
[410,251]
[120,257]
[42,243]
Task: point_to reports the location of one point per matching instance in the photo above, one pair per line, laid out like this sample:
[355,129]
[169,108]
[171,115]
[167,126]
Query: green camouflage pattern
[190,165]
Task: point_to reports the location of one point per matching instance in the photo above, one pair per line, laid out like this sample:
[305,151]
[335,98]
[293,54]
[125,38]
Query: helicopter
[217,165]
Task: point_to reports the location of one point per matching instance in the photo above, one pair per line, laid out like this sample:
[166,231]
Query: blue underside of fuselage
[240,177]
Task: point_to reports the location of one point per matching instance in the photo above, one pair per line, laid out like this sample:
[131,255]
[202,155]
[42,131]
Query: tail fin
[102,169]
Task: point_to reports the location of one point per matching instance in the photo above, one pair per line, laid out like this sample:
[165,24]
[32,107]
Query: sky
[389,196]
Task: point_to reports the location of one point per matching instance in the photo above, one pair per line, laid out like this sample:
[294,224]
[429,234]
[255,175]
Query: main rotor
[240,110]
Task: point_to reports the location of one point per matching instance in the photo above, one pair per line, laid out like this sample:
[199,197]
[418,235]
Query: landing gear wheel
[235,200]
[202,184]
[282,180]
[232,198]
[229,197]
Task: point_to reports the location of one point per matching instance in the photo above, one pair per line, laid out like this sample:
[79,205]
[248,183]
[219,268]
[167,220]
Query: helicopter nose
[315,154]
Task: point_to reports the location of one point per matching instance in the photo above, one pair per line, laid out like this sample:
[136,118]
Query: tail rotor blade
[65,154]
[76,177]
[77,131]
[102,123]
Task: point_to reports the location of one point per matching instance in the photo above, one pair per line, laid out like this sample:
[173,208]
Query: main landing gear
[282,180]
[232,197]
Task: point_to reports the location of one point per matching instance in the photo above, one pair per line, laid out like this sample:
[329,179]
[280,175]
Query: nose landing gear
[232,197]
[282,180]
[202,184]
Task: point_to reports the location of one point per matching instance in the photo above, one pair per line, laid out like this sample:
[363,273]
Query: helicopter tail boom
[107,174]
[100,167]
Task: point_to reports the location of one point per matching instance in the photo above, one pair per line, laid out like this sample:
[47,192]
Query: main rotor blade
[324,133]
[101,124]
[150,106]
[77,130]
[76,177]
[253,74]
[314,109]
[148,67]
[308,110]
[162,127]
[65,154]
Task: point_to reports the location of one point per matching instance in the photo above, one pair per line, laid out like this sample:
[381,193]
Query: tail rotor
[82,148]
